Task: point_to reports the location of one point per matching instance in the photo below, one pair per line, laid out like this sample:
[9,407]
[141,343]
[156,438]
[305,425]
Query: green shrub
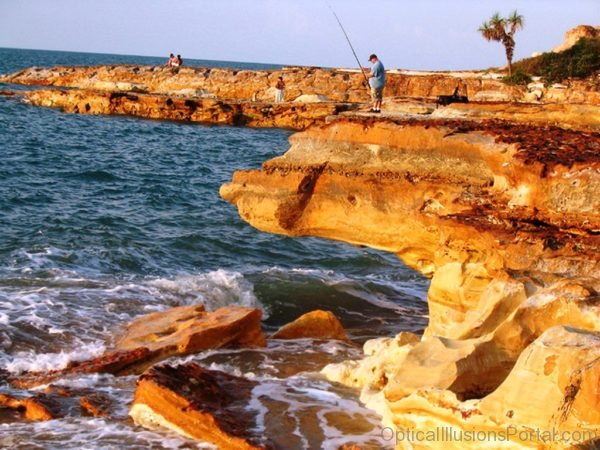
[518,78]
[580,61]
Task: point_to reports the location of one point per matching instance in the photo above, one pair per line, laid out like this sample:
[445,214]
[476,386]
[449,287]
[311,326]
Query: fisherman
[377,82]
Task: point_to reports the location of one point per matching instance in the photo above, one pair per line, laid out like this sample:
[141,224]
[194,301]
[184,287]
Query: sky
[406,34]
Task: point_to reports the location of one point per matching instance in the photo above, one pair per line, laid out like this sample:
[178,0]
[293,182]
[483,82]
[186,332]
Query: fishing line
[349,43]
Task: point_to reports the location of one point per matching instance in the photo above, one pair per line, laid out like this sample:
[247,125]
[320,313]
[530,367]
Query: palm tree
[502,29]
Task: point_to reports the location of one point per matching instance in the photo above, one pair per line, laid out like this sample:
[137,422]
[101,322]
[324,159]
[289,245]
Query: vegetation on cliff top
[580,61]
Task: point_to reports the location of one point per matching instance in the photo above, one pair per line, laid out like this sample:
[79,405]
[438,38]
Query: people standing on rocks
[279,90]
[174,63]
[171,60]
[377,82]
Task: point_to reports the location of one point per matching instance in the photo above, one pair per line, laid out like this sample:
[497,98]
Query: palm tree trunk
[509,46]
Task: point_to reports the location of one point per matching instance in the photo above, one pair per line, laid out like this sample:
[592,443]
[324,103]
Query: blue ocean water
[106,218]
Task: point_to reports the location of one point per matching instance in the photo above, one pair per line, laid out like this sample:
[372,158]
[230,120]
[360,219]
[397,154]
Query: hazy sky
[410,34]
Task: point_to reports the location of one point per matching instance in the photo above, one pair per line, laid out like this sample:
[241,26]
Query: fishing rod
[350,44]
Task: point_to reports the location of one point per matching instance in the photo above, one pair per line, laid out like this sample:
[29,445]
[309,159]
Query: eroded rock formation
[504,217]
[295,116]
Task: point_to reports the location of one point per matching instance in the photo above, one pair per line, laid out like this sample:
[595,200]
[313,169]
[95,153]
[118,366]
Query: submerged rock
[202,404]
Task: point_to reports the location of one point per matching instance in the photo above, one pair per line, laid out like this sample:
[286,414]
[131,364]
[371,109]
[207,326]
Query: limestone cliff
[504,217]
[574,34]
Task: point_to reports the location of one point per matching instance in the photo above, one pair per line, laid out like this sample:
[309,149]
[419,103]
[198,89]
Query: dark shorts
[377,94]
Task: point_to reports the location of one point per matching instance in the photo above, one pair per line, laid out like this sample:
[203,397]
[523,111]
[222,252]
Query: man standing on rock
[377,82]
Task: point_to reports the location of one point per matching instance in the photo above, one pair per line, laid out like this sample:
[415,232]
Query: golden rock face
[316,324]
[504,224]
[190,329]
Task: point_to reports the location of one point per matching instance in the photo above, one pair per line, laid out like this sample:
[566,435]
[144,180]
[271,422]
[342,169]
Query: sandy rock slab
[155,337]
[202,404]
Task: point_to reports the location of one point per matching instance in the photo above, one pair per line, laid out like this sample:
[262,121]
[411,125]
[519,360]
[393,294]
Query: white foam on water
[214,289]
[42,362]
[305,395]
[90,434]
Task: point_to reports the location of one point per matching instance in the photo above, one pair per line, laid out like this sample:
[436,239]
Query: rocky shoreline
[497,202]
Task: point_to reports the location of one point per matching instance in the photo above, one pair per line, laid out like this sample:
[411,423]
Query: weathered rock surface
[549,400]
[573,116]
[155,337]
[202,404]
[315,324]
[296,116]
[37,408]
[338,85]
[503,216]
[574,34]
[55,403]
[191,329]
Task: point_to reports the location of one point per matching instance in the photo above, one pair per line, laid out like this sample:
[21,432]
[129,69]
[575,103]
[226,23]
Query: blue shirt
[378,72]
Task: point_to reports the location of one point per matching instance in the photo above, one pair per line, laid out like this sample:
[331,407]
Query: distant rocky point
[574,34]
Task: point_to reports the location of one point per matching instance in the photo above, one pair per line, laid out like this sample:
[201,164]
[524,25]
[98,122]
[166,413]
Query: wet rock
[40,407]
[95,405]
[316,325]
[190,329]
[116,363]
[155,337]
[202,404]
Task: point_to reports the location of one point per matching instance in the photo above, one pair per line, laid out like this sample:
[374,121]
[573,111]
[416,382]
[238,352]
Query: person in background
[175,64]
[179,61]
[377,82]
[169,62]
[279,90]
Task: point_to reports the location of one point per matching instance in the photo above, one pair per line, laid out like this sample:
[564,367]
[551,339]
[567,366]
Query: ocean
[106,218]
